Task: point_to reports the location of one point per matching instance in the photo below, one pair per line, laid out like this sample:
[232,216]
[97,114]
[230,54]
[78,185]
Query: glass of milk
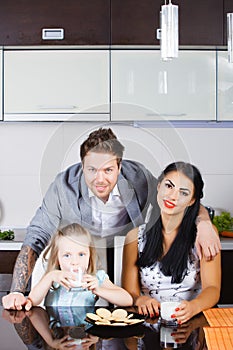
[79,272]
[168,304]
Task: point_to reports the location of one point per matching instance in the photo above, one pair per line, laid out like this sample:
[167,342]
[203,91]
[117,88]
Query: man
[103,193]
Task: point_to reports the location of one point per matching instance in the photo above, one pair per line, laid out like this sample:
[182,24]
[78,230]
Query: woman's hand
[147,306]
[185,311]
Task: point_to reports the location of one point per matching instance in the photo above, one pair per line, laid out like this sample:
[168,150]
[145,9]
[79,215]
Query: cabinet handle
[166,114]
[52,33]
[56,107]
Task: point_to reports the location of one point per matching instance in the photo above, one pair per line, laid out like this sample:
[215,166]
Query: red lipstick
[169,204]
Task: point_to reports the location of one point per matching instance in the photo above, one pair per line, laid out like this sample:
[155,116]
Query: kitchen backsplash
[33,153]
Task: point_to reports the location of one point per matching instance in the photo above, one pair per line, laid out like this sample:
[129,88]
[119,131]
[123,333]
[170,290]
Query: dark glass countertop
[34,330]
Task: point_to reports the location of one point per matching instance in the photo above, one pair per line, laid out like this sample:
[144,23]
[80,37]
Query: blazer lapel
[85,203]
[130,201]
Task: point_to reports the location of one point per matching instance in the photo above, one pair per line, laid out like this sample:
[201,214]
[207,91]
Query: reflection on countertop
[43,327]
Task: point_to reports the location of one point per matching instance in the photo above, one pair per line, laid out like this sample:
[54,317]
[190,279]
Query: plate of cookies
[116,318]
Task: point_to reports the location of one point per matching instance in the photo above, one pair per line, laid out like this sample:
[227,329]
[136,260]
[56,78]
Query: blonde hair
[73,232]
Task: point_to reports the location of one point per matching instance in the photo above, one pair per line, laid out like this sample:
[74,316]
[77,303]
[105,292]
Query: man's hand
[13,316]
[14,301]
[207,241]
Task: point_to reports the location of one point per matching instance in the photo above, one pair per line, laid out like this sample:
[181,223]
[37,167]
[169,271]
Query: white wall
[33,153]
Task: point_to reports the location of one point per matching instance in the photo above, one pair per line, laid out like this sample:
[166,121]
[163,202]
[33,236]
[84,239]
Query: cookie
[134,321]
[92,316]
[103,322]
[104,313]
[119,314]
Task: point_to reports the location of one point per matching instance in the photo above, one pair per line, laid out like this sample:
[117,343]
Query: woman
[163,260]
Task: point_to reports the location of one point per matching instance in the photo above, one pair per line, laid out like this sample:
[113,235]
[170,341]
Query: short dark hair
[102,141]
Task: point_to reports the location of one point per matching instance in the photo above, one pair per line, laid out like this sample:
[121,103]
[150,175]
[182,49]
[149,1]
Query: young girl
[70,250]
[163,261]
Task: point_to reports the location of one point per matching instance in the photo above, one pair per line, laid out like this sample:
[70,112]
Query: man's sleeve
[45,222]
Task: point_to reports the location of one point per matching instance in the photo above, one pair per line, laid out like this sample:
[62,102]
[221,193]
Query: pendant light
[169,41]
[230,37]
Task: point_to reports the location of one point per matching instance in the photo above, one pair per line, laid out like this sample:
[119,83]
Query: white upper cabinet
[225,87]
[146,88]
[56,84]
[1,107]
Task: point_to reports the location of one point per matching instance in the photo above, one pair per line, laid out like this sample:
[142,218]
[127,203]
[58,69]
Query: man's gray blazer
[67,201]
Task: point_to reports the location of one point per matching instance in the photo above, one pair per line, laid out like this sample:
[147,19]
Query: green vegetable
[7,235]
[223,222]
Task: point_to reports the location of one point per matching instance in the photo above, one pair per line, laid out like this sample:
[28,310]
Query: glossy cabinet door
[1,92]
[225,87]
[201,22]
[146,88]
[84,22]
[56,85]
[228,7]
[136,22]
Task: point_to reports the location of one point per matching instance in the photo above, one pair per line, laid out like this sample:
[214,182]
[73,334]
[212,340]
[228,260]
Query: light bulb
[169,31]
[230,36]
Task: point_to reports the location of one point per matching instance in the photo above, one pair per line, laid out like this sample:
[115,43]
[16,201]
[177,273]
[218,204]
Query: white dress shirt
[108,217]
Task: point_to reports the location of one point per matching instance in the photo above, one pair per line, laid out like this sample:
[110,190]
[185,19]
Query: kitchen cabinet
[226,296]
[84,22]
[56,84]
[228,7]
[135,22]
[105,22]
[225,87]
[9,251]
[146,88]
[7,262]
[1,87]
[200,22]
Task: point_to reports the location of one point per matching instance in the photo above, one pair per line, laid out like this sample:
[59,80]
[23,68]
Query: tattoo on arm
[23,269]
[26,331]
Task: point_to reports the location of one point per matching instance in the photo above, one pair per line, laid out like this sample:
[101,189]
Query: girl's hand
[64,278]
[89,341]
[90,282]
[63,343]
[29,304]
[147,306]
[184,312]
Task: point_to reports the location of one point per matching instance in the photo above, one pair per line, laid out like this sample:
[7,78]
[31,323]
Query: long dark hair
[174,263]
